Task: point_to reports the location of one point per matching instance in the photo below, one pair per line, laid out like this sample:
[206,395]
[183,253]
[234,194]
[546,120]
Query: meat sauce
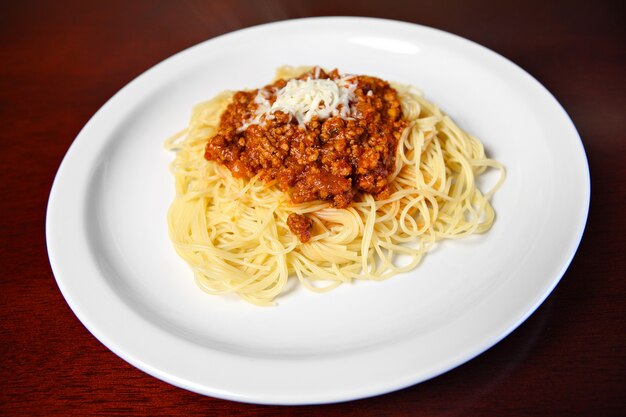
[332,159]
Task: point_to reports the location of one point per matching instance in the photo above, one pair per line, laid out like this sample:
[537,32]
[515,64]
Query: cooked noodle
[233,232]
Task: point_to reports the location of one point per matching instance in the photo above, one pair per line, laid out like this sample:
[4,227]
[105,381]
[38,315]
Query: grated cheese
[305,99]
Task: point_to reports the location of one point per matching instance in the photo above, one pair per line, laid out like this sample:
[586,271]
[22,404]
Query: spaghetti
[235,233]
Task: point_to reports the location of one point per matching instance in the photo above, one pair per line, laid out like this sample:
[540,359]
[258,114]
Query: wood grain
[60,61]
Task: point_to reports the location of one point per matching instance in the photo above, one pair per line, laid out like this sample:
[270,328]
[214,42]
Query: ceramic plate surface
[111,255]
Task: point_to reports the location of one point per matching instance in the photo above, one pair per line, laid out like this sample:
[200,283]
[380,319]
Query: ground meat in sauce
[331,159]
[300,226]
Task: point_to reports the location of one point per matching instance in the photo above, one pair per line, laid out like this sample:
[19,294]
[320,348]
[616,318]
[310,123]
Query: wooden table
[60,61]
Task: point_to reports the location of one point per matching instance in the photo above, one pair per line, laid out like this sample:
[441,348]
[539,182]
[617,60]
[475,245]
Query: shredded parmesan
[305,99]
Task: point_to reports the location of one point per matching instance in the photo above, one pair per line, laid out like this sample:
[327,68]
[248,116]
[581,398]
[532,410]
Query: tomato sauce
[332,159]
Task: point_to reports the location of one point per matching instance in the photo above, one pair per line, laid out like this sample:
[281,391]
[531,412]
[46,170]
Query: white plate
[109,249]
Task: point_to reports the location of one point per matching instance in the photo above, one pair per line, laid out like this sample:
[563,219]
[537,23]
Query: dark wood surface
[60,61]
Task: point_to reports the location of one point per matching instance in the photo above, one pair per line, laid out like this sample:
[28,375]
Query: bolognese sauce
[328,156]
